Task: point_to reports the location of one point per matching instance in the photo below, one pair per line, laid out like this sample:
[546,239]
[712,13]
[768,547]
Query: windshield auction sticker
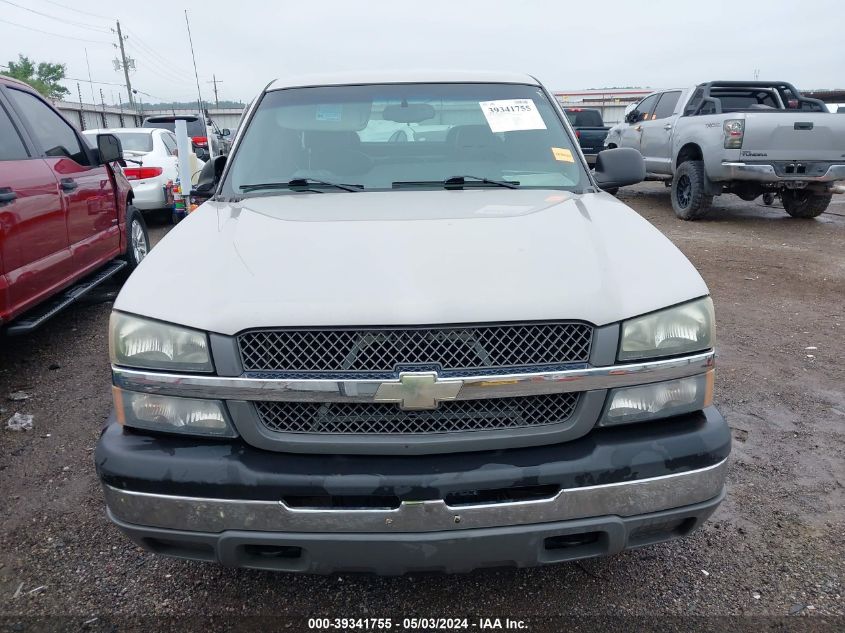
[563,154]
[508,115]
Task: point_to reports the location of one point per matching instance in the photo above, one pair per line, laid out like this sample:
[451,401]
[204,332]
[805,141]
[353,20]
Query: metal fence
[88,116]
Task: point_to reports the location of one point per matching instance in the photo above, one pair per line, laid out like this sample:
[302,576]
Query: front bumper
[227,501]
[760,172]
[444,551]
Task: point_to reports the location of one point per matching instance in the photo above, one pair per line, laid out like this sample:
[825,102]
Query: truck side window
[666,105]
[55,135]
[644,108]
[694,102]
[11,145]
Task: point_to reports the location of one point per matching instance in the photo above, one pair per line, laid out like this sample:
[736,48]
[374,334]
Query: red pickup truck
[67,222]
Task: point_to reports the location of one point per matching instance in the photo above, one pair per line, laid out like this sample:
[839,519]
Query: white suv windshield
[378,137]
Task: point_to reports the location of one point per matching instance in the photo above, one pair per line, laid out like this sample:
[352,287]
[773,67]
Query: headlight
[147,344]
[658,400]
[170,414]
[680,330]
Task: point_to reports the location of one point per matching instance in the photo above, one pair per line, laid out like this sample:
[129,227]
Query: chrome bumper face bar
[472,387]
[767,173]
[622,499]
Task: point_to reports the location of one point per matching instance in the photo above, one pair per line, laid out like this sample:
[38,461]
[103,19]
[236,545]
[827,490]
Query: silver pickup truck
[749,138]
[442,353]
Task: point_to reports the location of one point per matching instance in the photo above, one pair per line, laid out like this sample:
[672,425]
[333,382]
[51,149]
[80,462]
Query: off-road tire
[689,200]
[804,204]
[137,237]
[768,199]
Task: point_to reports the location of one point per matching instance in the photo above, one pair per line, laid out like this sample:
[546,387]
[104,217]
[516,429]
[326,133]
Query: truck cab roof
[400,77]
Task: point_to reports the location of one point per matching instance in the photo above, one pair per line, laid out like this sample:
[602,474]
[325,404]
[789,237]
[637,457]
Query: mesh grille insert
[385,349]
[450,417]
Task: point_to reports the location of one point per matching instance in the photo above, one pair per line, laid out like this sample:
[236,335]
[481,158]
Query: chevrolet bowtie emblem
[418,390]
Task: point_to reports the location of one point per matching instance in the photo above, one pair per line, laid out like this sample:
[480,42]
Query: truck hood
[409,257]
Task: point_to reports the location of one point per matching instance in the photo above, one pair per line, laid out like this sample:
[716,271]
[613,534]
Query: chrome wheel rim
[139,242]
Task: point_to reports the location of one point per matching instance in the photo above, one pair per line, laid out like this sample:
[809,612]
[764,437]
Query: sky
[567,44]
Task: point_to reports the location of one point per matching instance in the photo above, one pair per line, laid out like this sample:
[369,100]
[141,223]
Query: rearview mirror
[109,148]
[408,112]
[225,132]
[619,167]
[209,179]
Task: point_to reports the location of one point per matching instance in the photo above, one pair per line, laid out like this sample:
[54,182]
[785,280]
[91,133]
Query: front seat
[474,142]
[338,152]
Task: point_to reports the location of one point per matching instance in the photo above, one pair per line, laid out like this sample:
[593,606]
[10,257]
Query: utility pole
[125,64]
[103,104]
[81,107]
[215,82]
[141,108]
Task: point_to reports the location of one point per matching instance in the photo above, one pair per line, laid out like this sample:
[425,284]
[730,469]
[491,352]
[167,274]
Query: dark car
[67,222]
[589,129]
[205,144]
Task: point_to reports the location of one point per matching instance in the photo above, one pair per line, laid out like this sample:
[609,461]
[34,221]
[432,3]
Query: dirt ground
[775,547]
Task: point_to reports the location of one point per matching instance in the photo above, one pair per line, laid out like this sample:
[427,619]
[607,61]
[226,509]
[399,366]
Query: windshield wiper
[457,182]
[299,184]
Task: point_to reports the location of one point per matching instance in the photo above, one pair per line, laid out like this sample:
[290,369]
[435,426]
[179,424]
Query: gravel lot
[775,548]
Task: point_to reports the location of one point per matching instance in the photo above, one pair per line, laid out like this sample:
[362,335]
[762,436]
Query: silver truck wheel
[804,204]
[137,238]
[688,198]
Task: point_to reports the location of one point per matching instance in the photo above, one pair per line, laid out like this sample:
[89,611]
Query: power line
[62,20]
[63,6]
[67,37]
[167,74]
[160,74]
[111,83]
[99,83]
[138,43]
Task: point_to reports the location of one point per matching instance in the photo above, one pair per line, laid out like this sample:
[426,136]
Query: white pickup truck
[750,138]
[393,352]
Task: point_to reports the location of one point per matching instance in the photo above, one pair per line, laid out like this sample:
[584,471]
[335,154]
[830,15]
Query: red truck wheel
[138,240]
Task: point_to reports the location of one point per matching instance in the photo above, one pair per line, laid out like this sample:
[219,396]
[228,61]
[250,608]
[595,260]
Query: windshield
[394,136]
[129,141]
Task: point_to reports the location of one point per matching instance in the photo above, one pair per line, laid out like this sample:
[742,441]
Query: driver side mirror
[619,167]
[109,148]
[209,179]
[225,132]
[632,116]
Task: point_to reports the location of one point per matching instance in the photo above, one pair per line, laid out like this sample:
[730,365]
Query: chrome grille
[450,417]
[445,349]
